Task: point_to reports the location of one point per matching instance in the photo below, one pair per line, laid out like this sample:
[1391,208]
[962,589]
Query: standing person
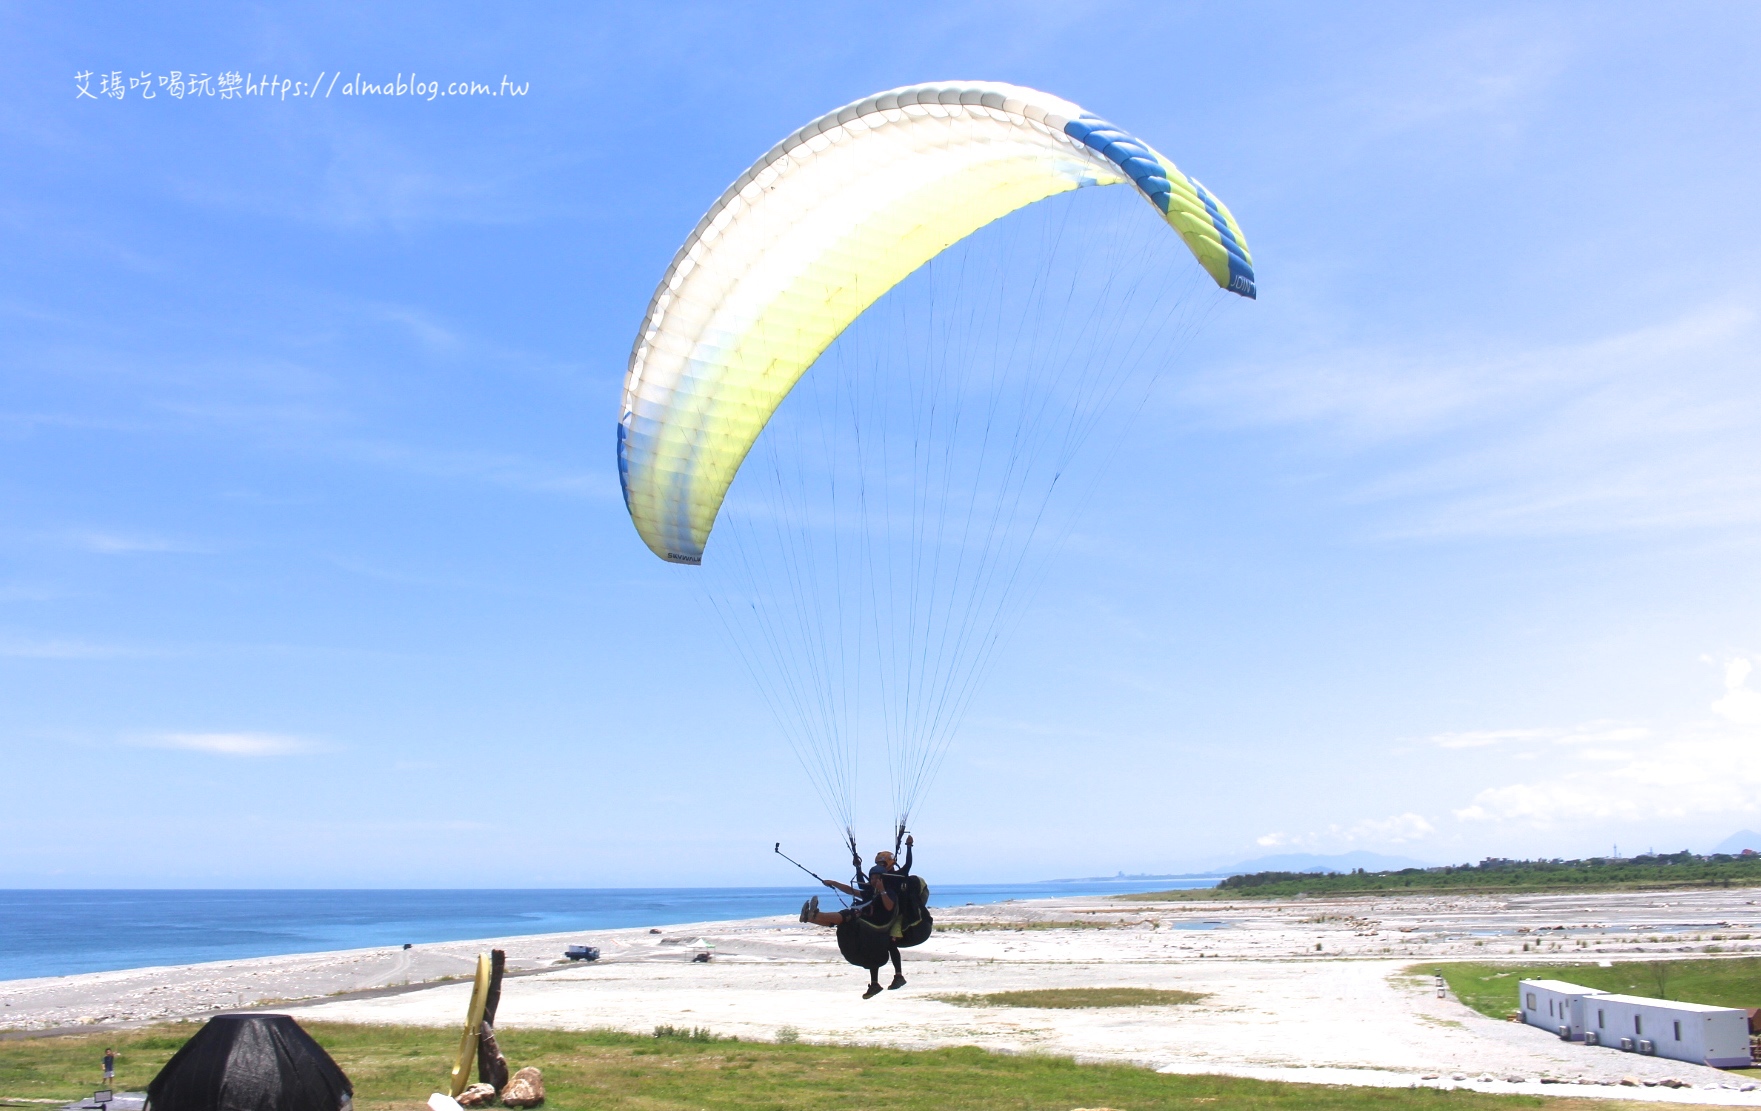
[109,1067]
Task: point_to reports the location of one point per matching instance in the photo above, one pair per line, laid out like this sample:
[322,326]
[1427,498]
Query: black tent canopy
[250,1063]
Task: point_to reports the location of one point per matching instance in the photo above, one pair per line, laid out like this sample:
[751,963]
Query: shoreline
[1274,1005]
[58,933]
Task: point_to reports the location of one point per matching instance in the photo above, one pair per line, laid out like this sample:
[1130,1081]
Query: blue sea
[57,933]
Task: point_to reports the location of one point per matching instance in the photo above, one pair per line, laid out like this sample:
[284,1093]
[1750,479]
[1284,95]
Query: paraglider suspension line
[778,849]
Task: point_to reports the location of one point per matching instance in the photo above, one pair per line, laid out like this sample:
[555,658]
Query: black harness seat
[868,941]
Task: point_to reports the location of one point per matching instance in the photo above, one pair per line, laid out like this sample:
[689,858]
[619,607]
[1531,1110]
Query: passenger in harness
[878,904]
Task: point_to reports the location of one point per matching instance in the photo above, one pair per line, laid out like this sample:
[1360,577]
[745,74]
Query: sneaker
[807,911]
[874,989]
[815,904]
[898,982]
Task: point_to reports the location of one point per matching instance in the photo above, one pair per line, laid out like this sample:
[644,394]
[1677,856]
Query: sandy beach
[1307,990]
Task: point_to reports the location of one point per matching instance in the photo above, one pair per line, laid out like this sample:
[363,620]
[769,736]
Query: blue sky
[313,569]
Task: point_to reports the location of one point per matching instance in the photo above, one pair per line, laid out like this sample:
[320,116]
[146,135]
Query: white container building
[1557,1007]
[1716,1036]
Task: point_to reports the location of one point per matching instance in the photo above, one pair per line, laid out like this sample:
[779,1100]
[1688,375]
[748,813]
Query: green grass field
[1073,998]
[394,1068]
[1491,988]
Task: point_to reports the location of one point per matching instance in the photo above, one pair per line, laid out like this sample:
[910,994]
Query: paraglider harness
[870,932]
[867,937]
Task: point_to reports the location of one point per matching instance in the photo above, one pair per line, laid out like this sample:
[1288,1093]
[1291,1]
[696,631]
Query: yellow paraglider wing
[820,228]
[461,1069]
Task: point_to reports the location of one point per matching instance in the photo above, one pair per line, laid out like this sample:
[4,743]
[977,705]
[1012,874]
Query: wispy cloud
[1488,70]
[1612,732]
[115,543]
[359,176]
[1649,428]
[58,648]
[429,333]
[33,592]
[233,744]
[493,468]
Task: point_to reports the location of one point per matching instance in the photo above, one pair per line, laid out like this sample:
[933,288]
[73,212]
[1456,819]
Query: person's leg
[898,969]
[810,912]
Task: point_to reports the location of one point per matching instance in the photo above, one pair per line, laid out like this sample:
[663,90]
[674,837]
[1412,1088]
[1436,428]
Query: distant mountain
[1737,842]
[1309,862]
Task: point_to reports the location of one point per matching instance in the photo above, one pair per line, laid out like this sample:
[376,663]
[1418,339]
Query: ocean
[59,933]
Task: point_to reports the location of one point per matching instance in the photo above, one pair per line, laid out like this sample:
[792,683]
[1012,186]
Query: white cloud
[1395,830]
[1739,704]
[1701,768]
[1392,831]
[233,744]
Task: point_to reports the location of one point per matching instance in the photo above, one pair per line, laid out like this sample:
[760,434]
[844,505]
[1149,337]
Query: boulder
[526,1089]
[477,1095]
[1629,1082]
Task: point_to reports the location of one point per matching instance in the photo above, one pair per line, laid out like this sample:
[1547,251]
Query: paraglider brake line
[778,849]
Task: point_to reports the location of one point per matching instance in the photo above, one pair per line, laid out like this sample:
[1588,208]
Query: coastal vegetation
[395,1067]
[1720,982]
[1671,870]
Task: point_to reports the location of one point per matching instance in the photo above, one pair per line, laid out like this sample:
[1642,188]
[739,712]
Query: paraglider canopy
[250,1063]
[817,230]
[881,522]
